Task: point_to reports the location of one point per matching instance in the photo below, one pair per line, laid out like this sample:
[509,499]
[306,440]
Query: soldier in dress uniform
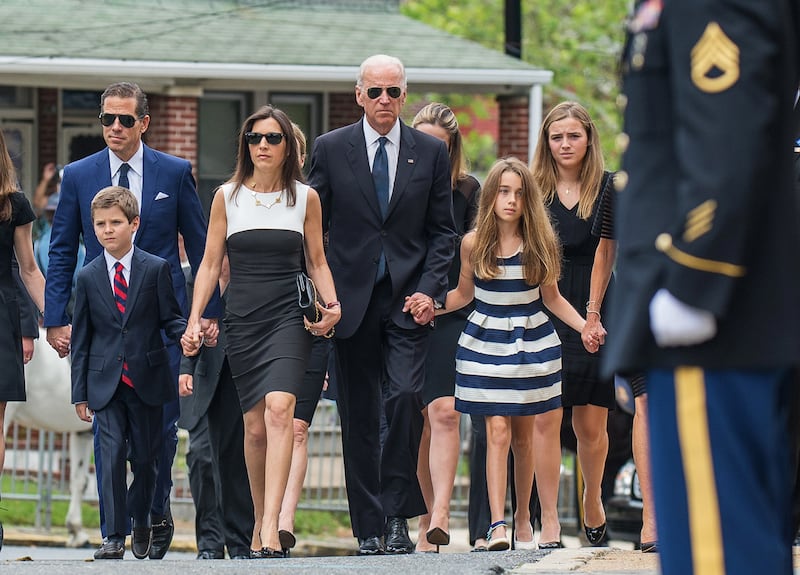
[708,273]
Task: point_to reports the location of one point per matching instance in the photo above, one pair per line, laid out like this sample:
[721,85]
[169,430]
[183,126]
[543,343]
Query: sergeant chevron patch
[715,61]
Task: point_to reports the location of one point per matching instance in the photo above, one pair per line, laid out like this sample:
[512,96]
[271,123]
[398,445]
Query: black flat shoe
[551,545]
[595,535]
[267,553]
[649,546]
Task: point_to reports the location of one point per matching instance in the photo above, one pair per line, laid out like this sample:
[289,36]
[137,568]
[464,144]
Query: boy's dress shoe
[110,549]
[141,538]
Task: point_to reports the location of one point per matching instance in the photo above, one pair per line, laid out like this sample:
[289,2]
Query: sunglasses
[393,91]
[126,120]
[254,138]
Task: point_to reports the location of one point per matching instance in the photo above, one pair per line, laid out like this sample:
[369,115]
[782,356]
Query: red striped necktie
[121,299]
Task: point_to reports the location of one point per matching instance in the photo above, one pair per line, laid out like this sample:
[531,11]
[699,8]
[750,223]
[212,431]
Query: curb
[561,560]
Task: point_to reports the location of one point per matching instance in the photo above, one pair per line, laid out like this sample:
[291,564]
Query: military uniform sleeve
[724,102]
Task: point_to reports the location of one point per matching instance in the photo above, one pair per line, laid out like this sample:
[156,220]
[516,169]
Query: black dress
[440,367]
[581,381]
[12,382]
[268,347]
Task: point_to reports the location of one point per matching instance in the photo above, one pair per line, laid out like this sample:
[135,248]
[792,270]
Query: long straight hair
[8,180]
[290,171]
[541,253]
[545,169]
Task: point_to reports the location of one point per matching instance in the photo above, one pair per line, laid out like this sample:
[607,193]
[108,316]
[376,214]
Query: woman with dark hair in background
[16,217]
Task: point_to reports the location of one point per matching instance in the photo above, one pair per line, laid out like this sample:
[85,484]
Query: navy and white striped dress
[509,356]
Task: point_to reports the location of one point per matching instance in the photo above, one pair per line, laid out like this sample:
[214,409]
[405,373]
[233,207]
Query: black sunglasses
[375,92]
[126,120]
[254,138]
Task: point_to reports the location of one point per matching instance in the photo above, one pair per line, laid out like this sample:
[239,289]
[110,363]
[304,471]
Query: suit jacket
[709,212]
[169,205]
[102,337]
[205,368]
[417,237]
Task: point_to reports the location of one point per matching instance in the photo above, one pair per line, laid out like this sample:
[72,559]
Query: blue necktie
[123,176]
[380,175]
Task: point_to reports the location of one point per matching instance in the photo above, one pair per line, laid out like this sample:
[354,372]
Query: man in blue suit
[165,189]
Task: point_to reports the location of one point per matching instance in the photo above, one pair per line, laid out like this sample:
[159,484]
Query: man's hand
[421,307]
[83,411]
[192,339]
[59,337]
[675,323]
[185,384]
[27,349]
[210,329]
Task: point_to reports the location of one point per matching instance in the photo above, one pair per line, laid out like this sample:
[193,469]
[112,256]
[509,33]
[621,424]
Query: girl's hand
[329,318]
[593,336]
[421,308]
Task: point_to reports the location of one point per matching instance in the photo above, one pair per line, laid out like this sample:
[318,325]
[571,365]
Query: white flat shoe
[525,545]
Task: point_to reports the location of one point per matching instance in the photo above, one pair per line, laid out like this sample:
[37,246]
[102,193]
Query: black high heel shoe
[595,535]
[551,545]
[287,541]
[438,536]
[649,546]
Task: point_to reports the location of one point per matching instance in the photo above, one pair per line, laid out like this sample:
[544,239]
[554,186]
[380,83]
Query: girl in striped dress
[508,363]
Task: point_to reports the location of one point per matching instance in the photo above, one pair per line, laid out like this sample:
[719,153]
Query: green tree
[580,41]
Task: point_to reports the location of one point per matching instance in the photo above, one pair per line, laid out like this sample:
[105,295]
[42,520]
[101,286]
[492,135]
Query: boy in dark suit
[120,366]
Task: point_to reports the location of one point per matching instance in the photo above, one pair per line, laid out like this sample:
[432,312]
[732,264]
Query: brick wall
[514,121]
[343,110]
[173,126]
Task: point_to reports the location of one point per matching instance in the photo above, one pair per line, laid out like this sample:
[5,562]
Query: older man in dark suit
[386,200]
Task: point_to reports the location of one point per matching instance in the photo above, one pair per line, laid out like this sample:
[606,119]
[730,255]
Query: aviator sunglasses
[393,91]
[254,138]
[126,120]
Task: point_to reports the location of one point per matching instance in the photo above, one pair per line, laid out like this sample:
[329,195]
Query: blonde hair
[545,170]
[541,253]
[300,138]
[8,180]
[440,115]
[116,196]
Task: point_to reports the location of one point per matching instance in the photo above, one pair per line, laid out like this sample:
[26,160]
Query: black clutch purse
[307,298]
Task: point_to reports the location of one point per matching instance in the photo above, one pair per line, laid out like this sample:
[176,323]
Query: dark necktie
[123,176]
[121,299]
[380,175]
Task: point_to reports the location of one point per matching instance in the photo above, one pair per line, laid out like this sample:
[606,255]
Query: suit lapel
[103,285]
[406,162]
[138,270]
[359,163]
[149,180]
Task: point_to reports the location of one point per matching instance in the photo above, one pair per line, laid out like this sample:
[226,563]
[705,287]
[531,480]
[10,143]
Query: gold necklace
[259,203]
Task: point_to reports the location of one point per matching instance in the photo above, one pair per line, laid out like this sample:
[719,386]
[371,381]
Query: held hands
[329,317]
[593,334]
[675,323]
[421,308]
[210,329]
[192,338]
[58,338]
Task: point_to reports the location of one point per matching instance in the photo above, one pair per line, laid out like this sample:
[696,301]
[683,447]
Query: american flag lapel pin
[410,160]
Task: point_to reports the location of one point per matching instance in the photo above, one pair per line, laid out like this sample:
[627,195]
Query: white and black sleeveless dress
[268,347]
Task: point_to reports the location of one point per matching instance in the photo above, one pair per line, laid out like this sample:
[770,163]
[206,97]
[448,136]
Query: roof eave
[194,77]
